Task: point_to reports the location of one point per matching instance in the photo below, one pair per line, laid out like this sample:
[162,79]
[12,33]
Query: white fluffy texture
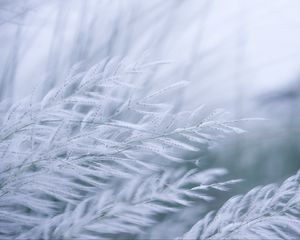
[99,157]
[268,212]
[108,154]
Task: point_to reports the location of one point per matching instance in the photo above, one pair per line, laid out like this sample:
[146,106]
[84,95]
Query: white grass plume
[268,212]
[99,157]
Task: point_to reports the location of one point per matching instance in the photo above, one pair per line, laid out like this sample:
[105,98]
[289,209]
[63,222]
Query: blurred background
[240,55]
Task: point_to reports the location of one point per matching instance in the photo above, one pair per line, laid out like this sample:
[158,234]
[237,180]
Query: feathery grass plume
[268,212]
[99,157]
